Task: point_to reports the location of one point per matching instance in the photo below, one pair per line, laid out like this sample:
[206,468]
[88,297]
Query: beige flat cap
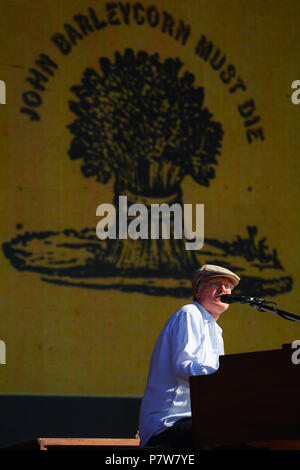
[210,270]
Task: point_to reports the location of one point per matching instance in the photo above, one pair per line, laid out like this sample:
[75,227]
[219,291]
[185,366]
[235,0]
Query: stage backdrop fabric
[162,102]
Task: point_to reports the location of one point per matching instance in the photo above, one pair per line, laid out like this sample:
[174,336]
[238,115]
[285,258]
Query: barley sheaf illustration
[146,126]
[141,122]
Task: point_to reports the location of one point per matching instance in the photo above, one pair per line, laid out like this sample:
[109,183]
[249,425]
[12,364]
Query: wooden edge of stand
[277,444]
[45,442]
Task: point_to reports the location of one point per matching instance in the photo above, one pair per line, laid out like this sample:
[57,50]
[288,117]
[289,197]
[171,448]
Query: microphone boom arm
[268,306]
[260,304]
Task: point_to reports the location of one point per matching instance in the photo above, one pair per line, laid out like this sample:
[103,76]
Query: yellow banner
[168,102]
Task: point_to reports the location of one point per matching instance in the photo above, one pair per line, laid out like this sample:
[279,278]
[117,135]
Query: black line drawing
[144,124]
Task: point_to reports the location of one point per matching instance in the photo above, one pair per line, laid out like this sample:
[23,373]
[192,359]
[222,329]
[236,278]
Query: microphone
[260,304]
[241,299]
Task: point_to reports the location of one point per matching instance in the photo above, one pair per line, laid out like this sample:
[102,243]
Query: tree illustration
[143,123]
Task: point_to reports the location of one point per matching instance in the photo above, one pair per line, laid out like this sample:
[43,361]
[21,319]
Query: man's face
[209,293]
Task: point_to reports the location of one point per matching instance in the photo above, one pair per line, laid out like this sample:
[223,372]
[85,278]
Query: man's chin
[222,306]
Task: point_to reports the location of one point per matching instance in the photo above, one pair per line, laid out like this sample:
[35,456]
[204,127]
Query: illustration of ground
[81,259]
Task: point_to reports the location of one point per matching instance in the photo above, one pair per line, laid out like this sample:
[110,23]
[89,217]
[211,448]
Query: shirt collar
[207,317]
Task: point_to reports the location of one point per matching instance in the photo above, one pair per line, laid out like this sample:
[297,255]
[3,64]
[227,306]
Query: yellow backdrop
[80,315]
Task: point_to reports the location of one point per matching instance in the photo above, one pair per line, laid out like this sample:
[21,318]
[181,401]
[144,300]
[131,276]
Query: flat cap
[210,270]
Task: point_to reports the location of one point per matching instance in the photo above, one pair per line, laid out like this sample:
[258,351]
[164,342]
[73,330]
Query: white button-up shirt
[189,344]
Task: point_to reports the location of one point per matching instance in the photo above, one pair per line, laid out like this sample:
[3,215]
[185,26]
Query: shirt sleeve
[188,346]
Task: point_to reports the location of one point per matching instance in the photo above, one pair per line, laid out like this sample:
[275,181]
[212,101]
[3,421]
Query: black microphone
[233,299]
[260,304]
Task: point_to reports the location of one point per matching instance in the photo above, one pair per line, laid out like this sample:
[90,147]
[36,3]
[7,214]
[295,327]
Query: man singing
[189,344]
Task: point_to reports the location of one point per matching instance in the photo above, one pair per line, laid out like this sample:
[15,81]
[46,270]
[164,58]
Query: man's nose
[223,288]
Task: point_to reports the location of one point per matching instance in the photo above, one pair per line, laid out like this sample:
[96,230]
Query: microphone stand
[268,306]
